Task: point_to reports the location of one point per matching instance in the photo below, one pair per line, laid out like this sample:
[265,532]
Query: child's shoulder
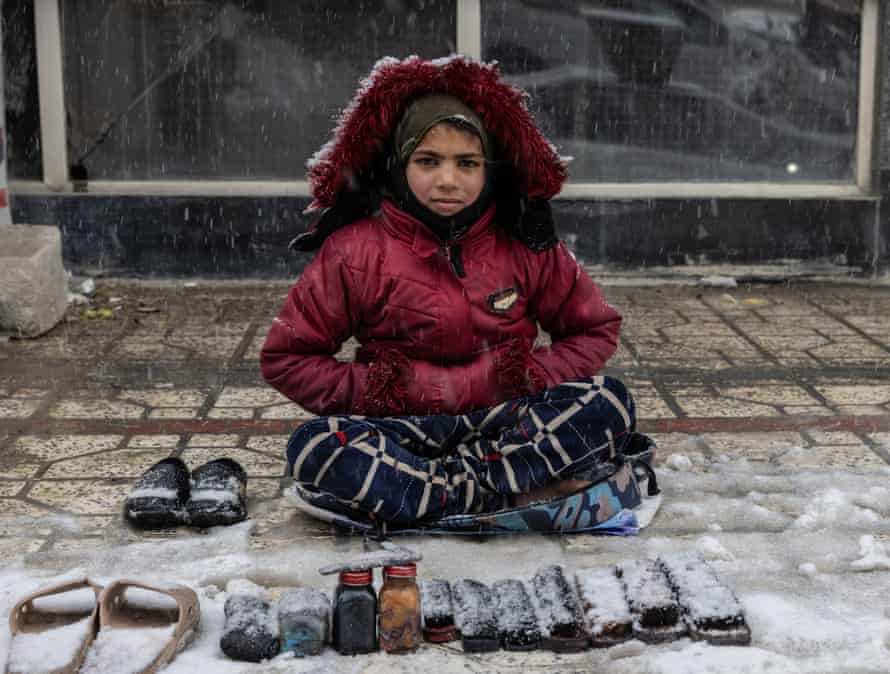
[358,244]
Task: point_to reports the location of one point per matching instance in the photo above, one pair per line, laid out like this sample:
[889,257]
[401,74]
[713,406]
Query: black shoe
[158,499]
[639,450]
[218,494]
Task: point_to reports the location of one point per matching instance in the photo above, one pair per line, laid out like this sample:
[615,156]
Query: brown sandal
[156,622]
[41,631]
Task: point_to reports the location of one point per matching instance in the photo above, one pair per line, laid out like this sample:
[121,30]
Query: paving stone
[56,446]
[171,398]
[231,413]
[753,446]
[855,394]
[264,488]
[12,408]
[253,462]
[29,393]
[83,497]
[248,397]
[652,407]
[848,457]
[207,348]
[271,444]
[96,409]
[18,467]
[153,441]
[12,547]
[834,438]
[148,348]
[252,353]
[10,487]
[174,413]
[286,411]
[129,463]
[714,406]
[212,440]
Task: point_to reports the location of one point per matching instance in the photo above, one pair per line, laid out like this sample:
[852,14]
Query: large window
[650,98]
[243,89]
[20,90]
[688,90]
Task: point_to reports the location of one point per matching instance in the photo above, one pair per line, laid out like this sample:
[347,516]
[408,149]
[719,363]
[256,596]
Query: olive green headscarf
[424,113]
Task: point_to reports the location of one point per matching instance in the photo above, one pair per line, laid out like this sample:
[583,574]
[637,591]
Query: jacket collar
[421,238]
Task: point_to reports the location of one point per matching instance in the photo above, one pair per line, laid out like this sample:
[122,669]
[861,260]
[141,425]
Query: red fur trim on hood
[369,121]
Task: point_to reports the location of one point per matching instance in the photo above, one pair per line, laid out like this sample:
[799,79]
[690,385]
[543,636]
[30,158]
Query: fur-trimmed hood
[346,174]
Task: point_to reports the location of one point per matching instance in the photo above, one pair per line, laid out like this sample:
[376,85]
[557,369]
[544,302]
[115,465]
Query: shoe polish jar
[304,618]
[355,613]
[399,609]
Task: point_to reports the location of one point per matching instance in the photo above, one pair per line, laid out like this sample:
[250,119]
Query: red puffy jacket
[434,341]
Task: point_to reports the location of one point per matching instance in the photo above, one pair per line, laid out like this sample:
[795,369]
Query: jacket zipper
[453,253]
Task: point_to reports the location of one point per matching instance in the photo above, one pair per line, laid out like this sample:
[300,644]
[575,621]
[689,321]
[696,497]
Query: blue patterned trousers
[404,469]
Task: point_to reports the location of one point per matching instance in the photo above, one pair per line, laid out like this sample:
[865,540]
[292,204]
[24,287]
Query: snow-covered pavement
[771,407]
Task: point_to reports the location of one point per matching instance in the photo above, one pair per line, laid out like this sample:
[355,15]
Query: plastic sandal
[218,494]
[159,496]
[52,636]
[143,626]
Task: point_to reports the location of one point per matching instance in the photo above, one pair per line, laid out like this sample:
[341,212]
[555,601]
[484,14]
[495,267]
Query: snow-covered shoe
[251,629]
[651,600]
[143,627]
[218,494]
[606,615]
[474,614]
[438,611]
[558,611]
[53,628]
[710,608]
[640,450]
[159,496]
[517,622]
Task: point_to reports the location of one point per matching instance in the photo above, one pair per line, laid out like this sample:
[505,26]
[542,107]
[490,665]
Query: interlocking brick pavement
[789,375]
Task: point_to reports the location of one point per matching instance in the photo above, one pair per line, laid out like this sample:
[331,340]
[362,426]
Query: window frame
[469,41]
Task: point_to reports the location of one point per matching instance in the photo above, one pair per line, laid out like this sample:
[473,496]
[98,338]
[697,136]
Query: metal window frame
[469,41]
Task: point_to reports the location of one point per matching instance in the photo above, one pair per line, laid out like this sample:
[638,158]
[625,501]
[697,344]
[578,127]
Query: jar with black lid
[355,613]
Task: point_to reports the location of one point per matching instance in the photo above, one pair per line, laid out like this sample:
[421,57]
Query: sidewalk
[770,405]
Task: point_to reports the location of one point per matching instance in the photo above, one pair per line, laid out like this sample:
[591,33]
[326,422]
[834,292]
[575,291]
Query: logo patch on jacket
[501,301]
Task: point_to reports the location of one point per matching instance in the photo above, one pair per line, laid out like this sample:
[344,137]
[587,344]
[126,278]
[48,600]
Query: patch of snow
[46,651]
[81,600]
[808,569]
[873,556]
[678,462]
[711,548]
[718,282]
[153,492]
[125,650]
[833,507]
[217,495]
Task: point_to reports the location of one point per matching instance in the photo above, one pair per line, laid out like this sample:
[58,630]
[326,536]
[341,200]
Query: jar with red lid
[355,613]
[399,609]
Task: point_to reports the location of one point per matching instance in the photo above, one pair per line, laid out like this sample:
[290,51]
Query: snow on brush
[806,553]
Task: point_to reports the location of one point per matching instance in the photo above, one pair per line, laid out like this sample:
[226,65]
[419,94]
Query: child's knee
[306,442]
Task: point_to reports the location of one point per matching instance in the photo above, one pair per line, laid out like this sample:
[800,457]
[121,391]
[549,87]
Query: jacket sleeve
[569,306]
[322,310]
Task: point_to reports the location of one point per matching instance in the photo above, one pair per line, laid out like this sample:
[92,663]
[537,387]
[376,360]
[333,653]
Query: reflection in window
[687,90]
[20,90]
[243,89]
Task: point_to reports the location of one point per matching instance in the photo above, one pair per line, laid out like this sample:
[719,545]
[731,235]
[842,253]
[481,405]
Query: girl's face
[446,171]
